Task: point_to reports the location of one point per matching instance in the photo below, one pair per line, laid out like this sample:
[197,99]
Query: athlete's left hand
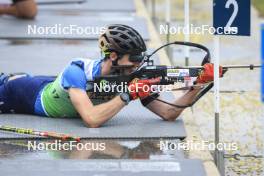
[207,74]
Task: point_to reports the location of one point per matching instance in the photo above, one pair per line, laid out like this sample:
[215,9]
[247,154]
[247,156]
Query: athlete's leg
[5,101]
[24,91]
[19,95]
[7,104]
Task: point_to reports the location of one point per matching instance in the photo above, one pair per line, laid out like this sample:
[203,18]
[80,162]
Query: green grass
[259,5]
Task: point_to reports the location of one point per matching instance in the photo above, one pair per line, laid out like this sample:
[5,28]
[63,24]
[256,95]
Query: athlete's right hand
[141,88]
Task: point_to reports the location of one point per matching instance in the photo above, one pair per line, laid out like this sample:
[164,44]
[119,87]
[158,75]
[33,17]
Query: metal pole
[222,161]
[168,25]
[217,98]
[187,34]
[145,2]
[153,10]
[168,19]
[187,25]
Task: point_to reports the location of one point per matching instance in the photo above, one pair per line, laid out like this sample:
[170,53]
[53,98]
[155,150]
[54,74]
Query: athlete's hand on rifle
[207,74]
[141,88]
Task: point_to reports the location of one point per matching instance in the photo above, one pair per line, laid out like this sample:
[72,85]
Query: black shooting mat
[74,27]
[183,167]
[132,122]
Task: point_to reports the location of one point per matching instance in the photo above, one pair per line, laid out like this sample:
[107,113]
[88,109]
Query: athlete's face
[125,61]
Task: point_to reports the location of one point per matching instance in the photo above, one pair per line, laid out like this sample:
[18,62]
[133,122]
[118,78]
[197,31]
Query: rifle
[168,75]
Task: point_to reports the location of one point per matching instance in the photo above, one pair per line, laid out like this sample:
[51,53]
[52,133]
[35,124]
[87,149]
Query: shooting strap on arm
[149,99]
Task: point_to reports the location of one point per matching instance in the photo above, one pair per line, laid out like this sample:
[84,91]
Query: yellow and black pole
[217,99]
[47,134]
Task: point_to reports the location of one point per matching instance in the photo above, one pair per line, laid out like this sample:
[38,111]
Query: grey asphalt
[92,5]
[71,27]
[97,6]
[103,167]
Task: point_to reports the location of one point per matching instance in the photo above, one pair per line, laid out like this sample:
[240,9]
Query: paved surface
[71,27]
[104,167]
[241,114]
[93,5]
[97,6]
[34,57]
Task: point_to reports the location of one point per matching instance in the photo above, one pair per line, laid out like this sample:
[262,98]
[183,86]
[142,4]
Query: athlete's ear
[113,56]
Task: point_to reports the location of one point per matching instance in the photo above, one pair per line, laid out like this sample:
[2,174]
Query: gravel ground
[242,114]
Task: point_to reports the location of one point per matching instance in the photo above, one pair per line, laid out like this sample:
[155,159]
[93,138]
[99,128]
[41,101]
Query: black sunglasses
[136,58]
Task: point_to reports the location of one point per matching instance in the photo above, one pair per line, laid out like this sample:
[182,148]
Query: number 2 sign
[232,17]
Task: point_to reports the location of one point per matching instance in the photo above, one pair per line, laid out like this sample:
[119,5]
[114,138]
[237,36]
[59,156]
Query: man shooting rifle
[66,95]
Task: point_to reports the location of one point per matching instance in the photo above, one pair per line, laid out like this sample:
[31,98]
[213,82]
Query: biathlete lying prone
[66,95]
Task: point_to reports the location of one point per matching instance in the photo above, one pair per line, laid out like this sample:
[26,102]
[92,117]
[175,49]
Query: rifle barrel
[251,66]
